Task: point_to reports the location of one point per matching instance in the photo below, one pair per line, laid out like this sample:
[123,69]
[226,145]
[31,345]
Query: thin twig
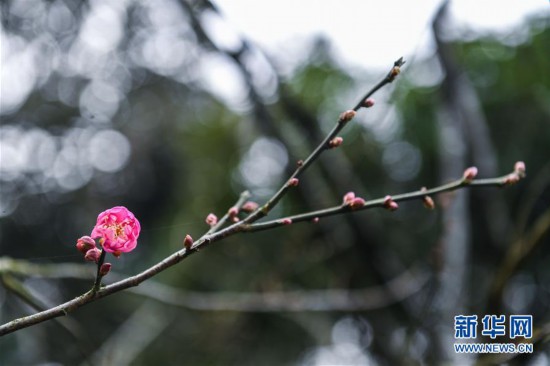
[98,275]
[390,77]
[324,145]
[379,202]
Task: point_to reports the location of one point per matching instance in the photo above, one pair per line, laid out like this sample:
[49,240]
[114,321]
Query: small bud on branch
[187,242]
[357,203]
[249,206]
[396,69]
[390,204]
[233,211]
[211,219]
[104,269]
[335,142]
[348,198]
[293,182]
[92,255]
[84,244]
[369,102]
[427,200]
[347,116]
[469,174]
[519,169]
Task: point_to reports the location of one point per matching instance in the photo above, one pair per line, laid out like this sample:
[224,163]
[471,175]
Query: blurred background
[172,108]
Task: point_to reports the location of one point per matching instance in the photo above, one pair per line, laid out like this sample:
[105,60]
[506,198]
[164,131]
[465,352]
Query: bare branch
[380,202]
[216,232]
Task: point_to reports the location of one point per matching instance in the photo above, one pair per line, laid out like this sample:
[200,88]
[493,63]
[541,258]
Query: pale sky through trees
[367,33]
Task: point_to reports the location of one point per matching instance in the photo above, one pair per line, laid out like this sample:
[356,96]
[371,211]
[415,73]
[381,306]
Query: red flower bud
[250,206]
[233,211]
[211,219]
[368,103]
[315,220]
[335,142]
[293,182]
[390,204]
[427,200]
[519,169]
[104,269]
[188,242]
[348,198]
[469,174]
[347,116]
[286,221]
[356,203]
[84,244]
[92,255]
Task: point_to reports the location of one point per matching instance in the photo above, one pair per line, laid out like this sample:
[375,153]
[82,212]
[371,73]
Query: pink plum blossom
[118,229]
